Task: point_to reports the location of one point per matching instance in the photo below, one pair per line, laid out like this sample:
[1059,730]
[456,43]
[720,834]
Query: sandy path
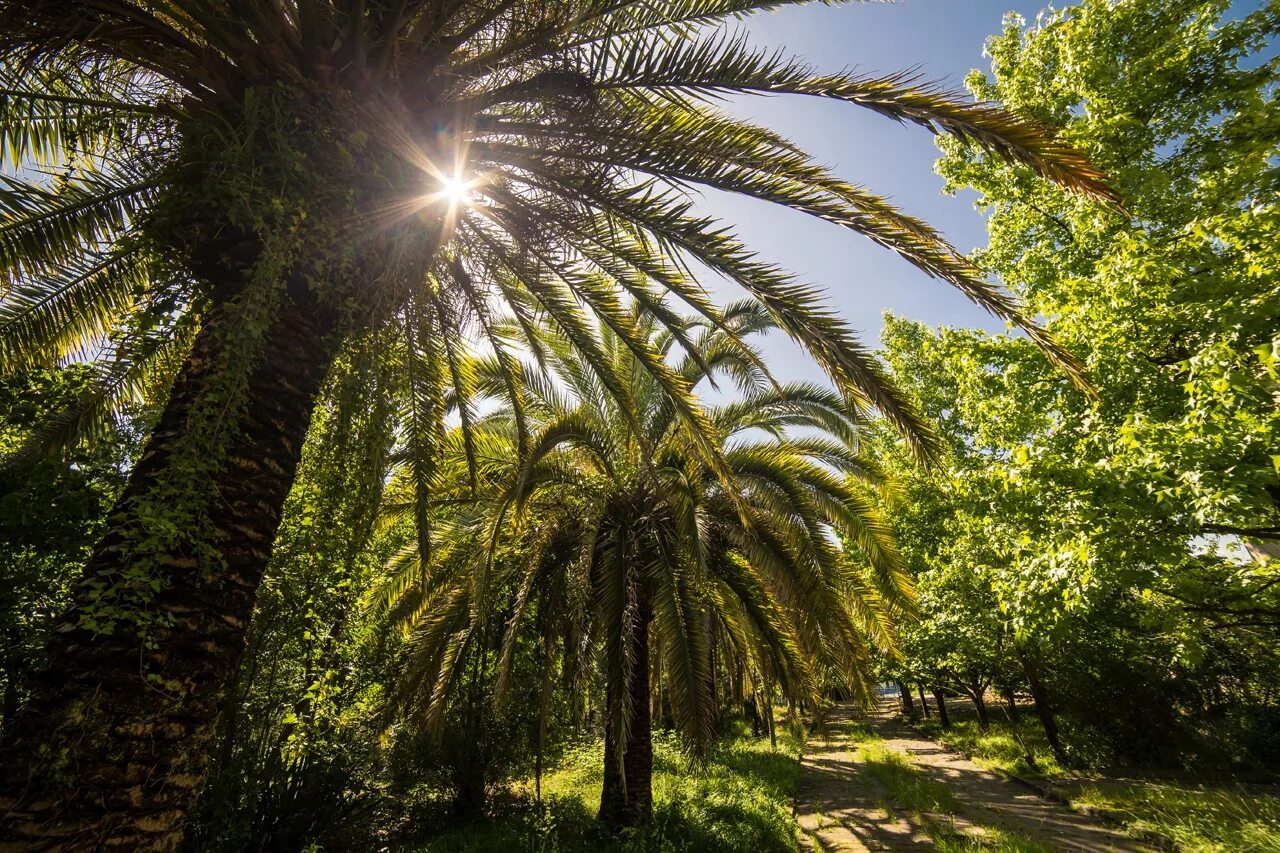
[840,806]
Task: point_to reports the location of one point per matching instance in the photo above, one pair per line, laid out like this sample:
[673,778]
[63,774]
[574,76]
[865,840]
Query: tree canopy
[1131,531]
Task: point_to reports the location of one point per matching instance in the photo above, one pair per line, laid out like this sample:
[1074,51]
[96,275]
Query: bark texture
[627,796]
[102,758]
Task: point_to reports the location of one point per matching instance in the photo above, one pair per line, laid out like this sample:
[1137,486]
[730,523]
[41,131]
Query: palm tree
[210,198]
[618,526]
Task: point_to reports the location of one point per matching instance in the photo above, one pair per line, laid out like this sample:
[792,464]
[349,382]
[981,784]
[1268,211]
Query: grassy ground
[740,799]
[930,802]
[1205,819]
[1221,820]
[1002,747]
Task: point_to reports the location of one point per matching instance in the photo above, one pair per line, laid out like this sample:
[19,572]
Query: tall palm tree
[622,531]
[209,197]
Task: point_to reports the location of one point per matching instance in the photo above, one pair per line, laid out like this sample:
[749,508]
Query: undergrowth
[738,799]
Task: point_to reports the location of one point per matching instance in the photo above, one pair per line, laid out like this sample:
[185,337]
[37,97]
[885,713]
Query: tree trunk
[655,681]
[924,704]
[668,717]
[751,710]
[1015,716]
[908,706]
[714,683]
[768,715]
[110,750]
[1040,696]
[544,704]
[627,796]
[942,708]
[980,705]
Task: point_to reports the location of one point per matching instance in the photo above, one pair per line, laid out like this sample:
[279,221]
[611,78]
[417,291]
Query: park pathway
[841,807]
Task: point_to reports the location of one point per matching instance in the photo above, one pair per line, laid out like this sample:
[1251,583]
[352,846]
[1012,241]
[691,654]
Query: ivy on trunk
[111,749]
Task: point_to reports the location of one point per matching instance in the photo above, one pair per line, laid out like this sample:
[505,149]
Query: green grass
[997,748]
[739,799]
[1207,820]
[992,841]
[859,731]
[908,786]
[933,804]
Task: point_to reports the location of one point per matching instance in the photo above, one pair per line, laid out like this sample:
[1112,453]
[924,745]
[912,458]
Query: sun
[455,190]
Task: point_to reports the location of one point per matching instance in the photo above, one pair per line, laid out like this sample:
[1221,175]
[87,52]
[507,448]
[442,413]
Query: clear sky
[944,39]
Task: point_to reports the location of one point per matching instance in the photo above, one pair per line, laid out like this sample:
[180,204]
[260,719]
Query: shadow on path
[841,807]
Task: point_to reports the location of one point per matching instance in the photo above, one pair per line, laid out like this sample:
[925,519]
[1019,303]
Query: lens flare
[455,190]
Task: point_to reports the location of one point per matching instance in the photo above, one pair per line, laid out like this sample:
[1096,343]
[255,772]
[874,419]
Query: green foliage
[1174,312]
[183,179]
[486,205]
[730,544]
[1114,549]
[168,170]
[52,510]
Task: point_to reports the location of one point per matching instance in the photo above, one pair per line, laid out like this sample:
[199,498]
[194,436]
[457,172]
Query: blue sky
[944,39]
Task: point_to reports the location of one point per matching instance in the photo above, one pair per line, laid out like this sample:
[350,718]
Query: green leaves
[1099,533]
[60,113]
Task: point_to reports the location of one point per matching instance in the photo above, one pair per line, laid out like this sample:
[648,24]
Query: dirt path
[841,807]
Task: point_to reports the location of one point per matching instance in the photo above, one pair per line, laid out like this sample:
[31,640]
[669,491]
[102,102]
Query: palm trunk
[714,684]
[627,796]
[668,717]
[544,703]
[129,750]
[942,708]
[9,706]
[751,710]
